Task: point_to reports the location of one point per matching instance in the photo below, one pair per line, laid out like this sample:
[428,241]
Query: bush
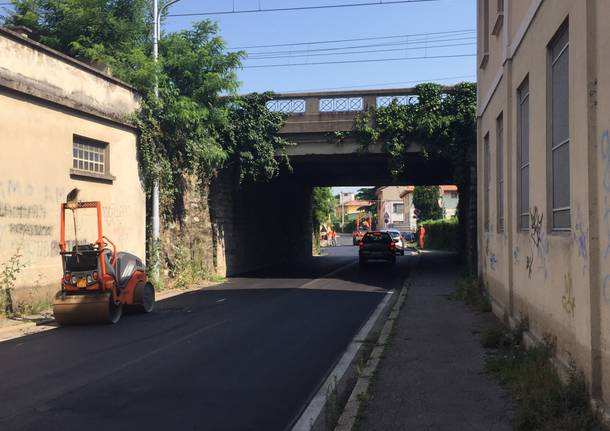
[442,234]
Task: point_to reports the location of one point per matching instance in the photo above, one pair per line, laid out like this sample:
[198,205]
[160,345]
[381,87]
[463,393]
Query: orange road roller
[98,282]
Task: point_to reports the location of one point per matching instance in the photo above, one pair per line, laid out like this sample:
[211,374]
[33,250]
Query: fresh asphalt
[246,355]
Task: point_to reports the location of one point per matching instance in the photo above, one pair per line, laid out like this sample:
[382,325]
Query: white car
[398,239]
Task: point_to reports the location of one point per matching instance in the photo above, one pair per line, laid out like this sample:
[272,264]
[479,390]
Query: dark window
[486,176]
[560,129]
[500,172]
[523,155]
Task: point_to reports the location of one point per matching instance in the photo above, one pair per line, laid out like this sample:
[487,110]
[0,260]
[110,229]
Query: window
[523,155]
[500,171]
[499,18]
[484,35]
[399,208]
[486,166]
[90,158]
[560,129]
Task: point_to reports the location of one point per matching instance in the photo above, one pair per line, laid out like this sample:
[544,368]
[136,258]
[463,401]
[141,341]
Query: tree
[324,204]
[367,194]
[425,199]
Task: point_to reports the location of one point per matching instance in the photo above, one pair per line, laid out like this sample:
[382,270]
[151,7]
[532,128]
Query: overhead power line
[381,84]
[405,45]
[285,9]
[453,32]
[373,60]
[267,57]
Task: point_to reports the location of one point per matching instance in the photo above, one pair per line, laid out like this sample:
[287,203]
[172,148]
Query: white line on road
[222,300]
[316,406]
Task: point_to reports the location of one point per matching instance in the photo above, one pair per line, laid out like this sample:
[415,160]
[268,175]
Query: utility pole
[156,224]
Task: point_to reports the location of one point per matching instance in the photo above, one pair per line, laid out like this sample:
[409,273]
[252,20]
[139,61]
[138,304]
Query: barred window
[560,129]
[89,156]
[523,155]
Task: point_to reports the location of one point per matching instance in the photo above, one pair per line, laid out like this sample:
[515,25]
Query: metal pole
[156,225]
[155,195]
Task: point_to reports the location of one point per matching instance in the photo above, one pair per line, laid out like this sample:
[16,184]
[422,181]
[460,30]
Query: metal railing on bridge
[334,110]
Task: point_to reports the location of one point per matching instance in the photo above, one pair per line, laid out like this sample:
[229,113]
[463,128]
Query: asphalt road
[246,355]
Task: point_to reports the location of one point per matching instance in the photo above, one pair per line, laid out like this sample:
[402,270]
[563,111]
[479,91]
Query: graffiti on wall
[22,211]
[605,148]
[539,244]
[568,300]
[579,236]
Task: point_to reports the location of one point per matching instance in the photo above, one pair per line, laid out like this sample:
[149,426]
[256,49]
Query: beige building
[390,208]
[544,173]
[63,125]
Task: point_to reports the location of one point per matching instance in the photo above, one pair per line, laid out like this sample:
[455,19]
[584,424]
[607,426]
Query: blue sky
[289,27]
[410,21]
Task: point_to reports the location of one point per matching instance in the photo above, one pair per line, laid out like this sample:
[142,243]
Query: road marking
[326,276]
[317,404]
[221,300]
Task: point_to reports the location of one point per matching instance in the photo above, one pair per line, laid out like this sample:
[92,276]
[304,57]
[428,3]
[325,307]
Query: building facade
[63,125]
[390,208]
[349,210]
[544,173]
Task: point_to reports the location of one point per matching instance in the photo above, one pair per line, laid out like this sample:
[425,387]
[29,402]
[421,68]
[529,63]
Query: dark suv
[377,246]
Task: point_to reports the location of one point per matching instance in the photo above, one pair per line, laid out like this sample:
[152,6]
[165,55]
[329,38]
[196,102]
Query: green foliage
[473,293]
[425,199]
[544,401]
[323,206]
[93,30]
[251,138]
[8,276]
[367,194]
[443,234]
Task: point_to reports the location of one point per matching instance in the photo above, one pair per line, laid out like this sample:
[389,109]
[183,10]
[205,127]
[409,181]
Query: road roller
[98,281]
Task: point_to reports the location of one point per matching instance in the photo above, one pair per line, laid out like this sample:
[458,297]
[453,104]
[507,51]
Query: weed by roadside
[544,402]
[473,293]
[8,276]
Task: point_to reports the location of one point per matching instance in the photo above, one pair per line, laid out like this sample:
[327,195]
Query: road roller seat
[108,261]
[126,265]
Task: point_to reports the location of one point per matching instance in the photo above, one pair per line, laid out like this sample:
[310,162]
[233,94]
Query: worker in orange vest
[422,236]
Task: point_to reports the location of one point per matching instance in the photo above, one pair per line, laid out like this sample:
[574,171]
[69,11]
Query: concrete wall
[36,142]
[558,279]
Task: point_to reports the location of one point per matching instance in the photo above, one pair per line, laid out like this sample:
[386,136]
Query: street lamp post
[156,225]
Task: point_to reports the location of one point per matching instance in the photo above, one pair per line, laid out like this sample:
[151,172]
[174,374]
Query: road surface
[246,355]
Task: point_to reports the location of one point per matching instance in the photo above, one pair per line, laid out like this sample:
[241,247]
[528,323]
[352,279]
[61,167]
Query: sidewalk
[432,374]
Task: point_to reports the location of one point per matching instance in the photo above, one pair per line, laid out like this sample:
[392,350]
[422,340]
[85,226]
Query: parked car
[398,239]
[409,236]
[377,245]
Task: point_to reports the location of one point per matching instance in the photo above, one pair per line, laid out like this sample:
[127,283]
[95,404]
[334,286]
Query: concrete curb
[359,394]
[322,411]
